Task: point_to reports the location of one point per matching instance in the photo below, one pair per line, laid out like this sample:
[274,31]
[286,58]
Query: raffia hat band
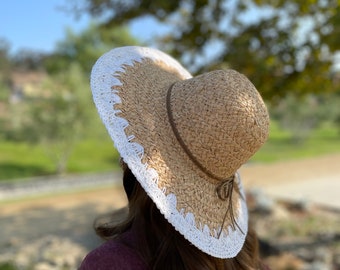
[184,139]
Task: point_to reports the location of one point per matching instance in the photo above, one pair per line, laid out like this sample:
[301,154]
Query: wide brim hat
[184,139]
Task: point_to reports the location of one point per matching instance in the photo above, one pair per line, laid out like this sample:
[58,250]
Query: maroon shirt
[115,254]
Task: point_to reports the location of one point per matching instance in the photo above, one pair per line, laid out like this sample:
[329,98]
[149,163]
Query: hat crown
[221,120]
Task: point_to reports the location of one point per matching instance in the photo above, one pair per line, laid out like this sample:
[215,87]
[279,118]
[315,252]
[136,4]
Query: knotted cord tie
[224,191]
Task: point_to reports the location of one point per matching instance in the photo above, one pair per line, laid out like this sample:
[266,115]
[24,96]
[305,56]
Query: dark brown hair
[160,245]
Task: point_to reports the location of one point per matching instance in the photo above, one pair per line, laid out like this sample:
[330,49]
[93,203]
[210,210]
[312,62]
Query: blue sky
[39,24]
[36,24]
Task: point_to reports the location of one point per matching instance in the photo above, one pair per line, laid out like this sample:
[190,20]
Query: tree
[5,67]
[58,114]
[57,117]
[300,115]
[67,110]
[282,46]
[28,60]
[69,103]
[86,47]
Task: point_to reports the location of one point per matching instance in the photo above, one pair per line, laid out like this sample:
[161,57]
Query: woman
[182,140]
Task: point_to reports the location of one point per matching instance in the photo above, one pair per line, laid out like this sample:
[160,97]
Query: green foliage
[95,152]
[301,115]
[64,115]
[86,47]
[55,117]
[19,160]
[28,60]
[59,116]
[4,55]
[282,46]
[61,111]
[4,92]
[5,64]
[7,266]
[281,145]
[298,115]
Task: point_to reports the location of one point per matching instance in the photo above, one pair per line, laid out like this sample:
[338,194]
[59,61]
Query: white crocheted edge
[103,80]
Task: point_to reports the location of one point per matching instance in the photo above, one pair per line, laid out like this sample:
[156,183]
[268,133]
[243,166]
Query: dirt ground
[68,215]
[71,214]
[314,180]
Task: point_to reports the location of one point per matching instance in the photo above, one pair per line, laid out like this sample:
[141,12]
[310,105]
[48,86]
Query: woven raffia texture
[219,116]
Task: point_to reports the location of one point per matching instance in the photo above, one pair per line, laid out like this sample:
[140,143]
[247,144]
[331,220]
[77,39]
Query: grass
[21,160]
[281,146]
[95,154]
[7,266]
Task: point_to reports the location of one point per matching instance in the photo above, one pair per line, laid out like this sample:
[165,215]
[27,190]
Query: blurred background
[58,167]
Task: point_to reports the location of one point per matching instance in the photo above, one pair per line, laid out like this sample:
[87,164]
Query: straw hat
[184,139]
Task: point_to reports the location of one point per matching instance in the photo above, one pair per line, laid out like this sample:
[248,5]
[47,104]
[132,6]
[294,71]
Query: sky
[36,24]
[39,24]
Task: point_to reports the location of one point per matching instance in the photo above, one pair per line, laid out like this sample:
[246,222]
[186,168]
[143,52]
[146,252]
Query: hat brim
[129,86]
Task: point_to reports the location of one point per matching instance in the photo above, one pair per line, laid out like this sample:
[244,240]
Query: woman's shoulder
[113,254]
